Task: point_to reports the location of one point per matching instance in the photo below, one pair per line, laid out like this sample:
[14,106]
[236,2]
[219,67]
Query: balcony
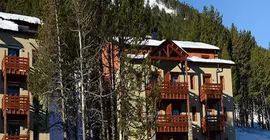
[15,104]
[15,65]
[20,137]
[172,90]
[172,123]
[213,123]
[210,91]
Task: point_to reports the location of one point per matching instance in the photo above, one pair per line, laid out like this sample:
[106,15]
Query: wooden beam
[180,54]
[168,54]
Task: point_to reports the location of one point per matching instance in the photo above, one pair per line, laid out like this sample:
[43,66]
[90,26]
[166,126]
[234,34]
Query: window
[13,129]
[193,110]
[192,82]
[34,56]
[174,77]
[154,77]
[205,56]
[13,52]
[222,82]
[13,89]
[225,113]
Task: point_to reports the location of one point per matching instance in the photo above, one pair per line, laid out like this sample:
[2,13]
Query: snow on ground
[243,133]
[160,5]
[10,16]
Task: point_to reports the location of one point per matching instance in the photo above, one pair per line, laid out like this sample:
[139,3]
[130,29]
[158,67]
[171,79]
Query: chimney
[155,33]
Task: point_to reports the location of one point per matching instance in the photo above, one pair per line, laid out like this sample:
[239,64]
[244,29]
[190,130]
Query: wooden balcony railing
[172,123]
[210,91]
[20,137]
[15,104]
[172,90]
[213,123]
[15,65]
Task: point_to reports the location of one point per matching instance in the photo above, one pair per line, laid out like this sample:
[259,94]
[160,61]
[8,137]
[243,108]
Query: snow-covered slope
[243,133]
[160,5]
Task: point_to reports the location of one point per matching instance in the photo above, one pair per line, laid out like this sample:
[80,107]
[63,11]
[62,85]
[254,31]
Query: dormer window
[205,56]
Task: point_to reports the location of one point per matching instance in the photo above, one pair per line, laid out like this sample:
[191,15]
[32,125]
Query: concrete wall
[27,43]
[197,70]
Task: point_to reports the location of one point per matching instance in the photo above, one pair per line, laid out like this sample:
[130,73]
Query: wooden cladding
[20,137]
[174,90]
[210,91]
[213,123]
[15,104]
[172,123]
[15,65]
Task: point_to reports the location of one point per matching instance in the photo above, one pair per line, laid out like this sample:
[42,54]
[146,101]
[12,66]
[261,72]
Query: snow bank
[195,45]
[9,16]
[243,133]
[8,25]
[161,6]
[202,60]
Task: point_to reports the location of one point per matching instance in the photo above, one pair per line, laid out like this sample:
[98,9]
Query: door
[207,78]
[13,89]
[13,51]
[13,129]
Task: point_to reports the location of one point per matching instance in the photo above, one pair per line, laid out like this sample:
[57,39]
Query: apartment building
[195,90]
[17,47]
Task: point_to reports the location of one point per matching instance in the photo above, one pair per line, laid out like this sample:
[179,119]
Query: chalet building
[195,90]
[17,47]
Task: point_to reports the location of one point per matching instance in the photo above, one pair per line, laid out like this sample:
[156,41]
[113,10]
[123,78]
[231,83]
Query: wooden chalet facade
[196,101]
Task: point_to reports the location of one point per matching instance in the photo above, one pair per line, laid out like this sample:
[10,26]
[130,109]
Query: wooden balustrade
[19,137]
[210,91]
[15,104]
[171,90]
[15,65]
[172,123]
[213,123]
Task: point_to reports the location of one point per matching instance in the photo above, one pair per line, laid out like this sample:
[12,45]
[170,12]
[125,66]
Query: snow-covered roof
[182,44]
[137,56]
[195,45]
[8,25]
[160,5]
[202,60]
[152,42]
[29,19]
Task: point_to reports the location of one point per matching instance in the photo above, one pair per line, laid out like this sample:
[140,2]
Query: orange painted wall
[106,53]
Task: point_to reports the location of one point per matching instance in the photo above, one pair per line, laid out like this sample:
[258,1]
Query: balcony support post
[5,94]
[206,118]
[223,115]
[28,102]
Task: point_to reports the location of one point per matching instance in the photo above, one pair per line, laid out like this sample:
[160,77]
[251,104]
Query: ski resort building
[195,87]
[17,48]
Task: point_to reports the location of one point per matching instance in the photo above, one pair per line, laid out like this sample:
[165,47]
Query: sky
[252,15]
